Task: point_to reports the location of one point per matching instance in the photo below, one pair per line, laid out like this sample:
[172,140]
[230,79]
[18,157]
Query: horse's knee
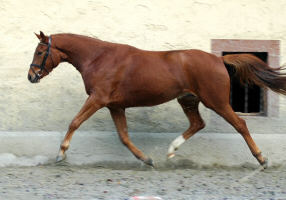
[74,125]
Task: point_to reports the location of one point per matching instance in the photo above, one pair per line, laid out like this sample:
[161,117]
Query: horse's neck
[80,50]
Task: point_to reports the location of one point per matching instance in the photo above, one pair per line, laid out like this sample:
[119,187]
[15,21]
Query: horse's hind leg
[190,105]
[220,104]
[240,125]
[118,116]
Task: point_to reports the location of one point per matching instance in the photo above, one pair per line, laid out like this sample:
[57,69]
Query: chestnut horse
[119,76]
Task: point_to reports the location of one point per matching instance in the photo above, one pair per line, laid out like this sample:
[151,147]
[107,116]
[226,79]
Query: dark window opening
[245,98]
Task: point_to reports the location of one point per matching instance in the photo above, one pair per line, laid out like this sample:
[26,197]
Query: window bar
[246,98]
[261,101]
[230,94]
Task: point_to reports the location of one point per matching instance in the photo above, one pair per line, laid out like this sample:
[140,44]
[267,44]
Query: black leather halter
[42,66]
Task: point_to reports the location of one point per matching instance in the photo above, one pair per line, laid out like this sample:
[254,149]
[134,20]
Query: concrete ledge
[105,149]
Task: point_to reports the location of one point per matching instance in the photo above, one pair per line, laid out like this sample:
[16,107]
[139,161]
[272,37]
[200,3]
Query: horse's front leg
[91,105]
[118,116]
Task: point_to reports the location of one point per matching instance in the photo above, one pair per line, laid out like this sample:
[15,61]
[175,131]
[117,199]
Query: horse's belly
[145,97]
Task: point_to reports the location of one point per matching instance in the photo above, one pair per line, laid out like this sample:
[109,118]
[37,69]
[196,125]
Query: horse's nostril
[29,77]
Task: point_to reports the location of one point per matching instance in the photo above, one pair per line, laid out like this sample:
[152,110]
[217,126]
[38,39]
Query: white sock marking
[175,145]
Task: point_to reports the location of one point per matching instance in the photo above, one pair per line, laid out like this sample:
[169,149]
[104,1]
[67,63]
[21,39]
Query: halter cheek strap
[42,66]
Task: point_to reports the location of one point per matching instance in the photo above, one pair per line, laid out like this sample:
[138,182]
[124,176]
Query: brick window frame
[272,47]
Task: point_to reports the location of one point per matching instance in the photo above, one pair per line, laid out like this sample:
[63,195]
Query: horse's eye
[39,53]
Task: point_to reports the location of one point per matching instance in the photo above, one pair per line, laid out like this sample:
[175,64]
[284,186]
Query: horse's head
[46,57]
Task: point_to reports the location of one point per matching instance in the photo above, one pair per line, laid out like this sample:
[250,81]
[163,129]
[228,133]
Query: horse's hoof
[265,163]
[171,155]
[149,162]
[61,158]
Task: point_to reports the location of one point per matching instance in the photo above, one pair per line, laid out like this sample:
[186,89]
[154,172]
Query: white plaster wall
[146,24]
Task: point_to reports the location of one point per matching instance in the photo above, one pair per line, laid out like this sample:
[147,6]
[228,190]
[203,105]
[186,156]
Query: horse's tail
[252,70]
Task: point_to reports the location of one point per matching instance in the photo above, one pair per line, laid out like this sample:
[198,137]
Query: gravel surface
[90,182]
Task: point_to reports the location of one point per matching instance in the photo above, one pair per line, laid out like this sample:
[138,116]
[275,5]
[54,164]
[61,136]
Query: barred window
[251,100]
[247,98]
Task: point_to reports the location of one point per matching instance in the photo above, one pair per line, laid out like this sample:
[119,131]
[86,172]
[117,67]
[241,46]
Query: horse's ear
[42,37]
[42,34]
[38,36]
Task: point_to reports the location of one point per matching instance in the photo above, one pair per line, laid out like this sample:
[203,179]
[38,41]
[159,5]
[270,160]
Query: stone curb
[105,149]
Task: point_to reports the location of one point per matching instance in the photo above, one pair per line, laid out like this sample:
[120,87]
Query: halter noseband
[42,66]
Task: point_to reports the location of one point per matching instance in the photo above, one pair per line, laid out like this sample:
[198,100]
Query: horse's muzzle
[33,79]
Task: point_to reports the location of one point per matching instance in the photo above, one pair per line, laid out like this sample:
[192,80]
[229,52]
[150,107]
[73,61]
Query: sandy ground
[89,182]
